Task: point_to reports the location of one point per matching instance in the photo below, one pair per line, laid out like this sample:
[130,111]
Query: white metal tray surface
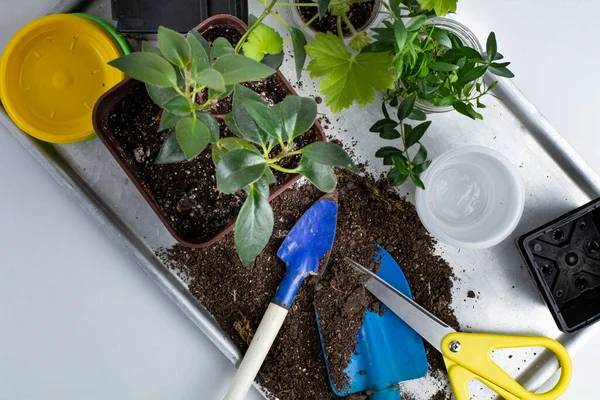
[556,180]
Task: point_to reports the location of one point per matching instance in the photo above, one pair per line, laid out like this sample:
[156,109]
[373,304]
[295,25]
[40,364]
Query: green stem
[408,162]
[276,15]
[349,24]
[286,170]
[339,27]
[260,19]
[283,155]
[303,27]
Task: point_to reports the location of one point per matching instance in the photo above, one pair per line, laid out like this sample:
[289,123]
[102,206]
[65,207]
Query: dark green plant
[184,75]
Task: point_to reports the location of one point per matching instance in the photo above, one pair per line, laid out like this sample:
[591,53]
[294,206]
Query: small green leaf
[247,103]
[253,227]
[462,108]
[400,165]
[359,41]
[170,151]
[178,105]
[406,107]
[417,115]
[400,34]
[298,43]
[147,67]
[322,176]
[173,46]
[441,37]
[491,47]
[168,120]
[160,95]
[396,178]
[192,136]
[273,60]
[211,79]
[441,7]
[471,75]
[473,113]
[480,104]
[501,71]
[417,181]
[442,66]
[389,134]
[421,167]
[421,156]
[383,124]
[212,125]
[298,115]
[322,7]
[228,144]
[389,151]
[384,110]
[416,133]
[467,89]
[198,52]
[329,154]
[236,68]
[415,23]
[262,40]
[238,169]
[221,47]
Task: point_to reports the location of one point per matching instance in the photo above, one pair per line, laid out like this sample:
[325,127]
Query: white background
[78,320]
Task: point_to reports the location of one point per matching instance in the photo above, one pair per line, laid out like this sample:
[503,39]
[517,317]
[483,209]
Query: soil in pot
[237,296]
[359,15]
[186,192]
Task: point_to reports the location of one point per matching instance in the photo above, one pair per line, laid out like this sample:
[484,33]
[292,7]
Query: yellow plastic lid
[52,72]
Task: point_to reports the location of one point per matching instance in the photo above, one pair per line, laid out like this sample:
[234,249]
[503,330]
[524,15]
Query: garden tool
[388,351]
[304,250]
[468,355]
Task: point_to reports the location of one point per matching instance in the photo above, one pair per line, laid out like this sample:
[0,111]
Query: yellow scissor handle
[473,360]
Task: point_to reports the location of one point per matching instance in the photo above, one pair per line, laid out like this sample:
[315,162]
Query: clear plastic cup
[473,198]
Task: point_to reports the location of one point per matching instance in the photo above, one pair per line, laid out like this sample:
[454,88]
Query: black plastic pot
[563,257]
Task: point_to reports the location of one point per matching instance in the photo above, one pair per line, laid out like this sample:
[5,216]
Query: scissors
[468,355]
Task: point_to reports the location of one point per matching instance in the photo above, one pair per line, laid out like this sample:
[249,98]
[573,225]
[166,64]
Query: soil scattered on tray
[238,296]
[186,192]
[359,15]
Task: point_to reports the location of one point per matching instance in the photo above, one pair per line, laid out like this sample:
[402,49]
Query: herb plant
[184,75]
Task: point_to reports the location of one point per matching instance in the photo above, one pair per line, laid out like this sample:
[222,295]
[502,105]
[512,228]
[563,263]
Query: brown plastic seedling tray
[111,98]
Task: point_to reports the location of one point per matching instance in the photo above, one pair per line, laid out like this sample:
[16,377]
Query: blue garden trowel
[305,248]
[388,350]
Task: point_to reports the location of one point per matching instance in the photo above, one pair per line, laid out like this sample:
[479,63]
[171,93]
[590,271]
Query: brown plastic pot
[111,98]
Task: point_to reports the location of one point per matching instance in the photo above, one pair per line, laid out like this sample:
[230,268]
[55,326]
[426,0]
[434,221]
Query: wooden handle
[257,352]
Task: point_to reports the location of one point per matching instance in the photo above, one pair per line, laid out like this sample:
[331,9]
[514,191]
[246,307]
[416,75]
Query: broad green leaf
[501,71]
[148,68]
[198,52]
[347,77]
[200,40]
[253,227]
[225,145]
[170,151]
[236,68]
[491,48]
[168,120]
[389,134]
[382,125]
[173,46]
[396,178]
[178,105]
[298,43]
[211,79]
[298,115]
[322,7]
[442,66]
[400,34]
[248,103]
[273,60]
[150,48]
[212,125]
[421,156]
[406,107]
[261,41]
[221,47]
[329,154]
[192,136]
[269,177]
[441,7]
[160,95]
[417,133]
[232,126]
[238,169]
[415,23]
[359,41]
[441,37]
[322,176]
[471,75]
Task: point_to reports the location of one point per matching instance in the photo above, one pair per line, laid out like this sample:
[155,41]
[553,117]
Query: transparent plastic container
[473,198]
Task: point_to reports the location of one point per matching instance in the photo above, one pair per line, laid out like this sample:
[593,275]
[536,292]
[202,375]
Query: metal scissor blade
[422,321]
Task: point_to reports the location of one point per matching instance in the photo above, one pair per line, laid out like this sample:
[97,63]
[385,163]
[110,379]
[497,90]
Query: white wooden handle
[257,352]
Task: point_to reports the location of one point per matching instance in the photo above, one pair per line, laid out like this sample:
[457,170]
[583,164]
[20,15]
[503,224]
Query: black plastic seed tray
[563,257]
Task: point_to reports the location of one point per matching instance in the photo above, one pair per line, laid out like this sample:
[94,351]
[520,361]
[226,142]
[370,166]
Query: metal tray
[556,180]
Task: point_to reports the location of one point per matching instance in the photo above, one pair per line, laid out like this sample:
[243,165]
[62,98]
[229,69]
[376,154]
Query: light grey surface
[471,131]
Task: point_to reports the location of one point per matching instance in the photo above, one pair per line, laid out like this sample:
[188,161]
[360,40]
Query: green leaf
[322,7]
[212,125]
[384,110]
[192,136]
[236,68]
[421,156]
[168,120]
[441,7]
[480,104]
[147,67]
[416,133]
[298,115]
[396,177]
[199,49]
[406,107]
[491,47]
[359,41]
[322,176]
[212,94]
[400,165]
[415,23]
[400,34]
[238,169]
[253,227]
[462,108]
[389,151]
[221,47]
[273,60]
[178,105]
[298,43]
[501,71]
[383,124]
[473,113]
[471,75]
[170,151]
[417,115]
[421,167]
[417,181]
[262,40]
[149,48]
[442,66]
[262,118]
[160,95]
[441,37]
[228,144]
[346,77]
[211,79]
[389,133]
[329,154]
[173,46]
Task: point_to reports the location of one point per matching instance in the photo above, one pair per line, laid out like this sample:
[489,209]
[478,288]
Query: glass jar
[467,37]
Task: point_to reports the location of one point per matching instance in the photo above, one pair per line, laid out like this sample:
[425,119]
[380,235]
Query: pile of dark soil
[237,296]
[359,15]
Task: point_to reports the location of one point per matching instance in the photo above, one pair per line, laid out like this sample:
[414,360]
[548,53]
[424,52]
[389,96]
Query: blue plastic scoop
[388,350]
